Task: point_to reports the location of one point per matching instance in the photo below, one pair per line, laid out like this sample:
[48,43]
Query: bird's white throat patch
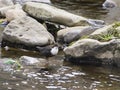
[54,51]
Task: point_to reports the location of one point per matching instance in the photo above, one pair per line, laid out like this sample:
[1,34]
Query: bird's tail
[38,48]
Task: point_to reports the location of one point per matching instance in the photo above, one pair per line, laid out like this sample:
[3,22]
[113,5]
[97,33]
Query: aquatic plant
[14,63]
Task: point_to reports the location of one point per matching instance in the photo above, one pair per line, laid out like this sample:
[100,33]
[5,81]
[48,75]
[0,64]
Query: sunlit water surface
[64,76]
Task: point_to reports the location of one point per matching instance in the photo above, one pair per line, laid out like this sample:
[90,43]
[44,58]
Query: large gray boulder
[53,14]
[4,3]
[27,31]
[104,52]
[71,34]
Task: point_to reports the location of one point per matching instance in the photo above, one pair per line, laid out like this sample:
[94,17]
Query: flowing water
[64,76]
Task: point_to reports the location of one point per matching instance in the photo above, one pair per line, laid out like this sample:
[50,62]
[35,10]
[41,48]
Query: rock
[96,23]
[80,2]
[98,32]
[32,64]
[69,35]
[4,3]
[5,9]
[12,14]
[53,14]
[26,60]
[113,15]
[8,64]
[107,32]
[41,63]
[82,48]
[27,31]
[109,4]
[24,1]
[90,51]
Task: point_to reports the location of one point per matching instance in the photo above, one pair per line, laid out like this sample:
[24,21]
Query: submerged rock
[27,31]
[94,51]
[12,12]
[8,64]
[69,35]
[53,14]
[31,61]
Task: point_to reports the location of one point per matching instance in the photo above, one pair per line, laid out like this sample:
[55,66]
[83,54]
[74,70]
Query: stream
[65,75]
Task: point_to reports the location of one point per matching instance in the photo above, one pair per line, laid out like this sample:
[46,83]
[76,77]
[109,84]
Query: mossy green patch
[72,43]
[110,33]
[117,24]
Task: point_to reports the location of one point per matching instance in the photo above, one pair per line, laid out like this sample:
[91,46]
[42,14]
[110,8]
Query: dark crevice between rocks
[90,60]
[19,45]
[22,46]
[16,45]
[53,28]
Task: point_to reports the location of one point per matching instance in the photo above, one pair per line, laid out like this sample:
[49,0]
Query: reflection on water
[65,76]
[92,9]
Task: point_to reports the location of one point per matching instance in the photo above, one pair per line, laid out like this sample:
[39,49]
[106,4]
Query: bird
[48,51]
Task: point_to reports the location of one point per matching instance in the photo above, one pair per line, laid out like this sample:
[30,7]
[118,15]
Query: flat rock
[71,34]
[27,31]
[53,14]
[24,1]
